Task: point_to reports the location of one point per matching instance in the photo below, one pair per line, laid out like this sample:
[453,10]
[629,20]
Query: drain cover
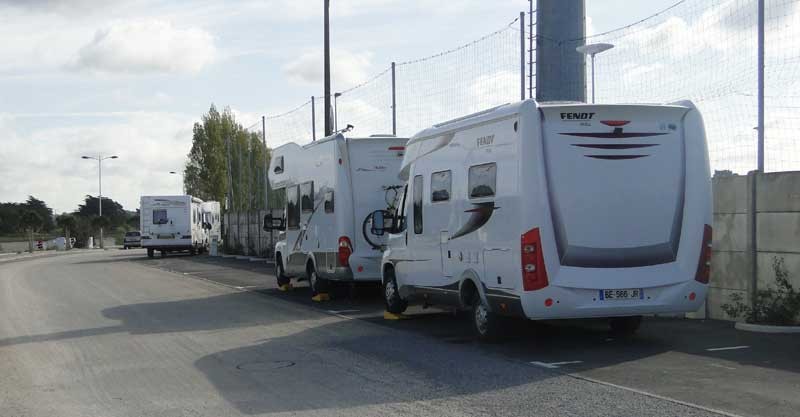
[258,366]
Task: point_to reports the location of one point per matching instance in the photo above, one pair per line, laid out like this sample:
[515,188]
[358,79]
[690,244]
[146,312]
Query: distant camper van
[174,224]
[554,211]
[332,186]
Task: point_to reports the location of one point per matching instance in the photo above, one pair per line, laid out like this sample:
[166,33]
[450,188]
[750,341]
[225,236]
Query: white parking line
[342,311]
[553,365]
[727,348]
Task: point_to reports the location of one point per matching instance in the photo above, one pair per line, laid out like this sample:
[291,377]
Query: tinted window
[307,196]
[482,180]
[159,217]
[417,204]
[278,165]
[440,186]
[329,202]
[132,234]
[293,207]
[400,219]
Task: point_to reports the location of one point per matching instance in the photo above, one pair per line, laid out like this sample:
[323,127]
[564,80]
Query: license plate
[622,294]
[165,236]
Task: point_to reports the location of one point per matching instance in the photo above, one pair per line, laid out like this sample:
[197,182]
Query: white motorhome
[332,186]
[212,220]
[550,211]
[172,224]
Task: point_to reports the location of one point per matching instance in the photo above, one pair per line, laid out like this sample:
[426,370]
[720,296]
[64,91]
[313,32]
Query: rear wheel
[391,296]
[193,251]
[150,253]
[625,326]
[317,284]
[280,273]
[163,253]
[485,323]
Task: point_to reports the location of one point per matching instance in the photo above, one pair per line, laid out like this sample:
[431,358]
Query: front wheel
[391,296]
[485,323]
[150,253]
[280,273]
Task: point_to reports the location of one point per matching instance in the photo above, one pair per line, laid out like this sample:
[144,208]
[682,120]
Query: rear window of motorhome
[159,217]
[307,196]
[440,186]
[417,204]
[482,180]
[329,201]
[293,207]
[278,165]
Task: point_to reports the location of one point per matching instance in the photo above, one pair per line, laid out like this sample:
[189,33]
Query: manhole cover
[264,366]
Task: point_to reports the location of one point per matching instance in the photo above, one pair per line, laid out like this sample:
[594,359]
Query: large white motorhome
[172,224]
[550,211]
[332,186]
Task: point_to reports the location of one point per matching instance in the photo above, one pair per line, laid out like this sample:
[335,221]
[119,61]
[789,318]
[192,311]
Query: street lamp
[183,186]
[336,111]
[592,50]
[100,159]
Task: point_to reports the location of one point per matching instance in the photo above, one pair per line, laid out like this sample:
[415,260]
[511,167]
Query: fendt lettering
[577,116]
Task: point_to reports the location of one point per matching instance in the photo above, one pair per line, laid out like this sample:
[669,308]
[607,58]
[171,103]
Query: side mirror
[273,223]
[378,223]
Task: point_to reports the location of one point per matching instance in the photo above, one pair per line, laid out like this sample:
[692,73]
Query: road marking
[716,365]
[342,311]
[553,365]
[247,287]
[728,348]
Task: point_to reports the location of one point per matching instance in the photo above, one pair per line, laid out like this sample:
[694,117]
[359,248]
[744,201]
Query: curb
[764,328]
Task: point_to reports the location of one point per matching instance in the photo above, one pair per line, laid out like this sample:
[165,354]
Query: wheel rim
[481,317]
[312,280]
[389,291]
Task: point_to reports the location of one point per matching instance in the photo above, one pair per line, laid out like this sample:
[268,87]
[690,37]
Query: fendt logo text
[577,116]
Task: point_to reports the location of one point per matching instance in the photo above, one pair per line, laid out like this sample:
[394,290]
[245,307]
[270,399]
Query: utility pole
[761,86]
[100,158]
[530,48]
[328,124]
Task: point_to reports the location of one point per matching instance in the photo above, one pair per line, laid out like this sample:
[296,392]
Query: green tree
[67,223]
[31,221]
[45,213]
[116,215]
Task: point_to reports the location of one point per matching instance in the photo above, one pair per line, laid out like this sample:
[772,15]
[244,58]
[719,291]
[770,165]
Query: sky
[130,77]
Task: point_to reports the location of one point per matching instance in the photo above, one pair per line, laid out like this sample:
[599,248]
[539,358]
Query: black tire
[150,253]
[317,284]
[192,251]
[124,248]
[485,324]
[625,326]
[391,295]
[163,253]
[280,273]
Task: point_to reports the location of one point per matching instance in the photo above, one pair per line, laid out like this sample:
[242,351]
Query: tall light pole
[100,158]
[183,184]
[336,111]
[592,50]
[327,53]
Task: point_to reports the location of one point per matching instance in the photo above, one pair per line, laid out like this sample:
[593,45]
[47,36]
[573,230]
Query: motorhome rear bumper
[683,297]
[167,244]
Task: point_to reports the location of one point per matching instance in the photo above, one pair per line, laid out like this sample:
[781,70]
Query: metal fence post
[522,55]
[394,103]
[313,121]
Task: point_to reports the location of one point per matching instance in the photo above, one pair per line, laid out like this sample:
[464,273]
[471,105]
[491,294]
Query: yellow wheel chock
[285,287]
[391,316]
[321,297]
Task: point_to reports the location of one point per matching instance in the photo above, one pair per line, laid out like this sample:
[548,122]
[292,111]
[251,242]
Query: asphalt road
[115,334]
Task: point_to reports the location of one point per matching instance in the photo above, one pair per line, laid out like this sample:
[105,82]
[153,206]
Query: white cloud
[46,162]
[147,46]
[349,68]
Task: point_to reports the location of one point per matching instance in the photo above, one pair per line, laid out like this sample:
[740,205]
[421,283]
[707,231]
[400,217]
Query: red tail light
[704,264]
[534,273]
[345,250]
[615,123]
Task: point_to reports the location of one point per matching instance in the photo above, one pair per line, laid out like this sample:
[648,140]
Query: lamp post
[100,158]
[183,185]
[592,50]
[336,111]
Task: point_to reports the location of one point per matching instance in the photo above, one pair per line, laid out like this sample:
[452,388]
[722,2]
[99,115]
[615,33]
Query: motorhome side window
[417,204]
[307,196]
[482,180]
[293,207]
[440,186]
[278,165]
[328,201]
[159,217]
[400,220]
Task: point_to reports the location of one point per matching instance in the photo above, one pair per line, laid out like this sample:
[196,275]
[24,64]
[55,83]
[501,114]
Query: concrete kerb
[765,328]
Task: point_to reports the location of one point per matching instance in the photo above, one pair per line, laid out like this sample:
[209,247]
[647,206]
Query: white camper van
[332,186]
[212,220]
[172,224]
[554,211]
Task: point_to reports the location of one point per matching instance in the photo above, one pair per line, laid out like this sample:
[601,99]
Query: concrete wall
[743,251]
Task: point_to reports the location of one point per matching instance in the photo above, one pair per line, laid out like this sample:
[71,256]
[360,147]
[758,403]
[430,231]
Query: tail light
[534,273]
[704,264]
[345,250]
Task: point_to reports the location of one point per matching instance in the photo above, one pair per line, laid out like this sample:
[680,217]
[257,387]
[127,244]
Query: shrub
[779,305]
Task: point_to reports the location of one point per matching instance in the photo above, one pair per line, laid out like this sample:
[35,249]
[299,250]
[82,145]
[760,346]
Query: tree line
[228,163]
